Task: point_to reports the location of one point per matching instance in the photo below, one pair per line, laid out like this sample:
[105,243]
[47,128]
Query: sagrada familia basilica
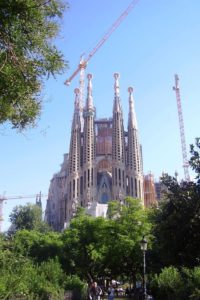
[104,161]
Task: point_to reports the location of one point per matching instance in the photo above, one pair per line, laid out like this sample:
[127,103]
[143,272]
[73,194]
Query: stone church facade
[104,160]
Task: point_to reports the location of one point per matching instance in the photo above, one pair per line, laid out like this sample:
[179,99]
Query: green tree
[49,281]
[177,225]
[107,248]
[14,273]
[191,281]
[27,217]
[26,276]
[37,245]
[84,246]
[78,287]
[19,276]
[27,56]
[195,158]
[128,224]
[177,283]
[169,284]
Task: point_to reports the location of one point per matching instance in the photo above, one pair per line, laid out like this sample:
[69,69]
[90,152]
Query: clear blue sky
[157,39]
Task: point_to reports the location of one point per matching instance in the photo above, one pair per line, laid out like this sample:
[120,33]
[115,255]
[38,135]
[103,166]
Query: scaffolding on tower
[181,127]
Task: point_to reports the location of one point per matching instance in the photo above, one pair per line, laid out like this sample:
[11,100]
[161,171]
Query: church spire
[118,145]
[134,158]
[116,85]
[76,123]
[77,104]
[74,153]
[118,127]
[116,106]
[89,100]
[89,146]
[132,121]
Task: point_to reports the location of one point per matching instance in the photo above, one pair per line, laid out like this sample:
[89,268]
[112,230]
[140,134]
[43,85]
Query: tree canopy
[195,158]
[84,243]
[128,224]
[177,219]
[98,249]
[109,248]
[177,225]
[27,56]
[28,217]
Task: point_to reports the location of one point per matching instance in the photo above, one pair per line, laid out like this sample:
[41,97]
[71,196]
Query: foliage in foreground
[27,55]
[176,221]
[180,284]
[27,217]
[177,225]
[98,248]
[20,276]
[87,250]
[109,248]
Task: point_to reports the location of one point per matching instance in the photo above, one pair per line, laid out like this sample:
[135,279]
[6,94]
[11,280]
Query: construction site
[100,156]
[105,157]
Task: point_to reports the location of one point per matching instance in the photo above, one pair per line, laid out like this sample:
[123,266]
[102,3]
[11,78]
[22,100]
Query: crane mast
[181,127]
[83,62]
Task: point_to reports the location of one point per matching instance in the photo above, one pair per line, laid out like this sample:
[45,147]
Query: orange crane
[5,198]
[181,127]
[83,62]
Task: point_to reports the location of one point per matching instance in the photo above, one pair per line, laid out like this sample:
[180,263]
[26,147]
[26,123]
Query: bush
[169,284]
[20,277]
[174,284]
[191,278]
[79,288]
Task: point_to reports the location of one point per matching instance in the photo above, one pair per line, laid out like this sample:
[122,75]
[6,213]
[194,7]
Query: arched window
[104,198]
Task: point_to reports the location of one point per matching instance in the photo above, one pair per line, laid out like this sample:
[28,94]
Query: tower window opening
[127,185]
[84,179]
[70,190]
[132,186]
[136,191]
[104,198]
[119,171]
[73,188]
[92,177]
[81,186]
[77,187]
[88,177]
[139,189]
[116,176]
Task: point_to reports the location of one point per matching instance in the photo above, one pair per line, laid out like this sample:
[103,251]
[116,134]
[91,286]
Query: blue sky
[156,40]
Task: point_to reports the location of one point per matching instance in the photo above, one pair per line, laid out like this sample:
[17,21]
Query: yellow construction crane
[83,62]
